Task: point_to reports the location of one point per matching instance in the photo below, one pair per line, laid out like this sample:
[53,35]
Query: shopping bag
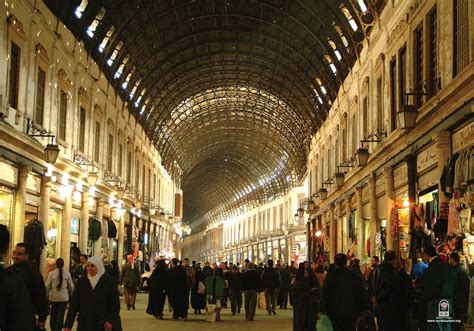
[212,313]
[201,288]
[324,323]
[262,303]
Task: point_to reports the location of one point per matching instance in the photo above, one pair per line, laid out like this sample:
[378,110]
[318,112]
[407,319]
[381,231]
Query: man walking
[130,278]
[270,284]
[343,296]
[461,290]
[178,290]
[80,270]
[16,311]
[235,289]
[251,286]
[34,282]
[285,283]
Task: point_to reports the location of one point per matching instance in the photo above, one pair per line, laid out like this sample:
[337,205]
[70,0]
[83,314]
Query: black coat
[235,281]
[198,301]
[158,287]
[251,281]
[35,284]
[270,279]
[461,292]
[285,278]
[35,239]
[16,312]
[178,291]
[306,295]
[94,306]
[343,295]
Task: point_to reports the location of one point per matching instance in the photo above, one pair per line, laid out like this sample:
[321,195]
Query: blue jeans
[57,315]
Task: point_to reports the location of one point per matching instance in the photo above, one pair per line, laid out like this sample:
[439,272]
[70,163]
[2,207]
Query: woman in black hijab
[159,283]
[307,293]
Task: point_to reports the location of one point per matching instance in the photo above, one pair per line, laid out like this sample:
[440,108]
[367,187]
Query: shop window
[63,99]
[40,92]
[433,52]
[82,129]
[14,75]
[55,218]
[461,36]
[6,206]
[97,141]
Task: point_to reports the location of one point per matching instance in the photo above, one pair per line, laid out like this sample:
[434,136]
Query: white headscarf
[97,261]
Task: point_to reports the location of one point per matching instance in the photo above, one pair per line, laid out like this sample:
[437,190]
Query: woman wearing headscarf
[60,286]
[307,293]
[159,283]
[95,299]
[198,300]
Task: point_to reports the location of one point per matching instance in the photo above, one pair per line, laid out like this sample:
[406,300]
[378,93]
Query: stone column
[332,232]
[121,234]
[43,215]
[345,224]
[392,243]
[66,229]
[338,218]
[360,224]
[99,215]
[442,141]
[84,227]
[18,228]
[373,213]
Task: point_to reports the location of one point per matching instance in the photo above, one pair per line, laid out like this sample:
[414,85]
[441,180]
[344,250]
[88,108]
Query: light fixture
[120,192]
[339,176]
[362,156]
[311,205]
[152,211]
[92,178]
[162,216]
[323,193]
[51,153]
[318,233]
[285,230]
[407,115]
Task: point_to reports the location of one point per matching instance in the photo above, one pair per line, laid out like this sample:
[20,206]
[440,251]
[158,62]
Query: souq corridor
[240,164]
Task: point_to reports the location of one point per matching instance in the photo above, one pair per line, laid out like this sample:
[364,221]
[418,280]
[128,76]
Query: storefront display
[55,219]
[6,206]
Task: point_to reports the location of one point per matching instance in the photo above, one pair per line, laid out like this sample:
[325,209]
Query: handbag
[262,302]
[201,288]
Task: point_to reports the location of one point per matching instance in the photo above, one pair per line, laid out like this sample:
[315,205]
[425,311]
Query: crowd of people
[383,297]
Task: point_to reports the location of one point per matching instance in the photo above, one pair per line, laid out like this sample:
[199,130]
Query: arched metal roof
[230,90]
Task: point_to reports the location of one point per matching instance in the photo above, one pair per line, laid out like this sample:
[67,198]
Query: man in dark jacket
[235,290]
[270,284]
[251,286]
[80,270]
[16,312]
[343,296]
[130,279]
[33,280]
[285,283]
[461,290]
[178,290]
[438,287]
[385,287]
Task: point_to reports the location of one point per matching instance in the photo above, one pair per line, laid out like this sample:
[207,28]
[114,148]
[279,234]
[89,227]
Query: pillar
[99,215]
[66,229]
[442,141]
[338,218]
[360,224]
[345,224]
[121,235]
[392,243]
[373,213]
[332,232]
[84,226]
[18,228]
[43,216]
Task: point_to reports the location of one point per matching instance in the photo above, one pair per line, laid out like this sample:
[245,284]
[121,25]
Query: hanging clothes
[351,226]
[111,229]
[35,240]
[454,224]
[394,222]
[94,229]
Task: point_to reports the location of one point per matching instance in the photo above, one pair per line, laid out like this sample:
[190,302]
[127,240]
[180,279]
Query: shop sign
[426,159]
[400,175]
[463,138]
[9,173]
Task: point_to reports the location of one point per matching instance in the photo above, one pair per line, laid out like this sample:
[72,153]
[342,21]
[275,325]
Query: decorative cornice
[16,25]
[41,51]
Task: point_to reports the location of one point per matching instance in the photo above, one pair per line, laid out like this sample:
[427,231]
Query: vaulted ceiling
[231,91]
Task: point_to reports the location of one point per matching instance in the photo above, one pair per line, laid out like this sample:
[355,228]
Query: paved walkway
[139,320]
